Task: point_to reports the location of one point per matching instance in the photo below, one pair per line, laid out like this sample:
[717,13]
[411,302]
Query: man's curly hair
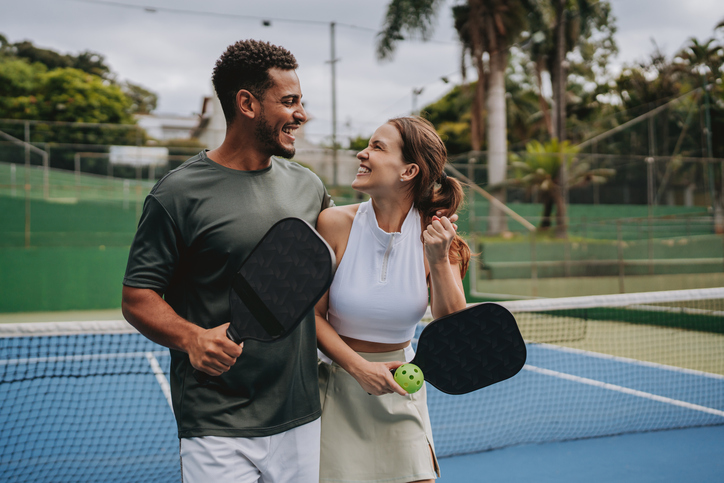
[245,65]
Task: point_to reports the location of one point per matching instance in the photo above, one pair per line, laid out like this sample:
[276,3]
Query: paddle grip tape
[256,306]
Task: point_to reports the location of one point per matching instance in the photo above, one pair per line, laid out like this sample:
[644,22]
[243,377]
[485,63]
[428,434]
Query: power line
[265,20]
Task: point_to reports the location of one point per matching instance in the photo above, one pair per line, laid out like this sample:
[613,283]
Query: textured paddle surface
[471,349]
[278,284]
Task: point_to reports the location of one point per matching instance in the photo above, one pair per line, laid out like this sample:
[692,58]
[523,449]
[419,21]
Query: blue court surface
[96,408]
[676,456]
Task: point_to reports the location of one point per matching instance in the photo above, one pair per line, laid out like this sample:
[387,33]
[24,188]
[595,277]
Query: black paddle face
[470,349]
[278,284]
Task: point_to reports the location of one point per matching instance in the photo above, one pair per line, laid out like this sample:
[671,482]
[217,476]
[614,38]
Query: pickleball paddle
[279,283]
[470,349]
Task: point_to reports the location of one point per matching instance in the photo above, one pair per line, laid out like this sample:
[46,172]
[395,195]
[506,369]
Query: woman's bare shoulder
[337,215]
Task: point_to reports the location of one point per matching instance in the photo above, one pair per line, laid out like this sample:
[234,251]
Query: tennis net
[597,366]
[89,401]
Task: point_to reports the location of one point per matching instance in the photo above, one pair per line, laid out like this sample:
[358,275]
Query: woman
[390,250]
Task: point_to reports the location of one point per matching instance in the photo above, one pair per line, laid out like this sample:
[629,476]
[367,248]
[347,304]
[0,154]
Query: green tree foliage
[39,83]
[451,114]
[451,117]
[143,101]
[87,61]
[538,170]
[42,85]
[66,94]
[411,17]
[359,143]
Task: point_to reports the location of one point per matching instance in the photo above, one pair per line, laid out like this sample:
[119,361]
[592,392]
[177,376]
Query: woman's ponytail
[431,189]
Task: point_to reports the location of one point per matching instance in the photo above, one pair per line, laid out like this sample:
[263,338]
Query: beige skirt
[369,438]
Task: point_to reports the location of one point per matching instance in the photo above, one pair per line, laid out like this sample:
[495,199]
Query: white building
[167,126]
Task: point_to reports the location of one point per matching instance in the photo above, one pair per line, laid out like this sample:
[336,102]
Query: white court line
[160,377]
[625,390]
[627,360]
[676,310]
[149,355]
[78,357]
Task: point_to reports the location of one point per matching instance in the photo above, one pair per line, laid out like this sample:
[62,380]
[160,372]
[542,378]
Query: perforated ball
[410,377]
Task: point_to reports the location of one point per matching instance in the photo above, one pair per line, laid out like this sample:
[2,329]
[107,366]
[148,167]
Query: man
[258,420]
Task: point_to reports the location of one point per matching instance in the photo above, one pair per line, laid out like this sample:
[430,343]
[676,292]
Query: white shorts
[288,457]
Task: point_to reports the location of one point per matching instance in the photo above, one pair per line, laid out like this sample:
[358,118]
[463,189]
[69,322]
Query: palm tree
[540,46]
[558,27]
[704,59]
[538,171]
[492,26]
[472,46]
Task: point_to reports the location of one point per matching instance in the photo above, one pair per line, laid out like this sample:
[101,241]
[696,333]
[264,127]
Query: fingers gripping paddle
[467,350]
[279,283]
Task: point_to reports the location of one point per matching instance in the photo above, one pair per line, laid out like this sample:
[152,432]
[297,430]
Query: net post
[27,184]
[650,195]
[621,270]
[46,172]
[533,265]
[76,161]
[471,194]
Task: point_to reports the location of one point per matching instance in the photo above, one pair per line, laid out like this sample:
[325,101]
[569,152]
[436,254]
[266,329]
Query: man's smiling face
[281,114]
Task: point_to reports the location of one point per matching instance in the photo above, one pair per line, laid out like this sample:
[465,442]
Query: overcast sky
[173,53]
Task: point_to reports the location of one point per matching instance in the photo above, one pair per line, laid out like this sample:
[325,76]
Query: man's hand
[212,352]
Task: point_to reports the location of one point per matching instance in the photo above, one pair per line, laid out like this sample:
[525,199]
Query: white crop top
[379,292]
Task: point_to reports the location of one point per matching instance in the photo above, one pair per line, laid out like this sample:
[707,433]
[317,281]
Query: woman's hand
[376,378]
[438,237]
[453,218]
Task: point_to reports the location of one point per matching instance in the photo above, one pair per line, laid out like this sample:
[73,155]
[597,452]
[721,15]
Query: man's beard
[269,139]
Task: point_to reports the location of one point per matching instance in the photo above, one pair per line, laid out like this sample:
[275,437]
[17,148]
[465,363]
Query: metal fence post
[621,269]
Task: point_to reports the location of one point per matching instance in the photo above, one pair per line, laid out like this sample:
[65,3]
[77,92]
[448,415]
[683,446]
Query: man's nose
[300,114]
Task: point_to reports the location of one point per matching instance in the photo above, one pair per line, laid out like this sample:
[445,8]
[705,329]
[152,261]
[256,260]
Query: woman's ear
[411,170]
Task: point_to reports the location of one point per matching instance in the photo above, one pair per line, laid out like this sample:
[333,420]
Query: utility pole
[333,60]
[416,91]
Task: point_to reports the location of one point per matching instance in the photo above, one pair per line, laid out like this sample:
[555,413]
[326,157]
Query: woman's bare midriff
[367,346]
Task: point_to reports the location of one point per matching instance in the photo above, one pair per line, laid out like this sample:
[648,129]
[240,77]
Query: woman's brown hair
[431,189]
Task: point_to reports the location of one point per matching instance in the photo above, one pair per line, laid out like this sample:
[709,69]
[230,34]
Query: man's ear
[247,104]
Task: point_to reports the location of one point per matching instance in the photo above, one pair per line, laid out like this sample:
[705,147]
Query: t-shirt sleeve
[327,201]
[155,251]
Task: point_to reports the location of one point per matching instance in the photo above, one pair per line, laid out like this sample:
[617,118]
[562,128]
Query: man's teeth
[288,130]
[363,170]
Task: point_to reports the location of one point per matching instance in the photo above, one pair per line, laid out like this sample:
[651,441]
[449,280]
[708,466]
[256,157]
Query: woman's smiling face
[381,162]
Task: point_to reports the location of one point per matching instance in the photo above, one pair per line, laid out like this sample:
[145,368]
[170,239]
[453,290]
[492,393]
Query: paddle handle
[203,378]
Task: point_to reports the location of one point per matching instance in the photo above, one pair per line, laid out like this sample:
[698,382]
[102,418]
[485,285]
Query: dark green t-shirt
[198,225]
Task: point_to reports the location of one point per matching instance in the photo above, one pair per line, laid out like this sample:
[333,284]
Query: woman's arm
[374,377]
[334,225]
[446,286]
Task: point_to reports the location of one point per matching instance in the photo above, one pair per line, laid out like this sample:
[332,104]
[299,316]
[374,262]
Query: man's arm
[209,350]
